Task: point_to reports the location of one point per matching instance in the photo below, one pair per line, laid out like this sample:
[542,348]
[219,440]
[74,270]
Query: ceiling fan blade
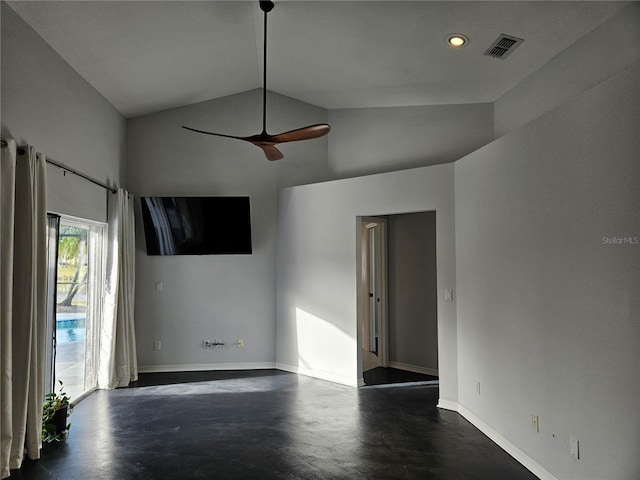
[216,134]
[304,133]
[271,152]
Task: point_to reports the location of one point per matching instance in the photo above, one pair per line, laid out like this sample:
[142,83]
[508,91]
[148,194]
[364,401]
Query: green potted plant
[55,411]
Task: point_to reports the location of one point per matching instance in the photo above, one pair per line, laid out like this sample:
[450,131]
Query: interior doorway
[397,298]
[77,274]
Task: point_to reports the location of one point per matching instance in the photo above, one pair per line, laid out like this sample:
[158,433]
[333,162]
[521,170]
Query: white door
[373,287]
[78,284]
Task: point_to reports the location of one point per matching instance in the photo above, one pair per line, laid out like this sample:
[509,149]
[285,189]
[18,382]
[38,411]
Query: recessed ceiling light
[457,40]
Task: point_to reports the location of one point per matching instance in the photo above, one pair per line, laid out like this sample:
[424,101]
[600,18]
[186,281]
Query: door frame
[364,223]
[97,243]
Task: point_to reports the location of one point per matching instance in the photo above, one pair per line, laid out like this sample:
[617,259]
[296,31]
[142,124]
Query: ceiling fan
[263,140]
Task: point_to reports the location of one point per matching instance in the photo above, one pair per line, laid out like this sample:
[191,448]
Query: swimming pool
[70,327]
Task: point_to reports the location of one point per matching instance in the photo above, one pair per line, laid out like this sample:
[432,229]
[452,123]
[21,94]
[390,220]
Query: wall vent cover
[503,46]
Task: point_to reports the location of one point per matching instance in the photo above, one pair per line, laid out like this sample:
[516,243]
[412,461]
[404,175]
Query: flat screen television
[197,225]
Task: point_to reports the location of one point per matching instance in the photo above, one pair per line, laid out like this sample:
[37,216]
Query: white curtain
[118,361]
[23,218]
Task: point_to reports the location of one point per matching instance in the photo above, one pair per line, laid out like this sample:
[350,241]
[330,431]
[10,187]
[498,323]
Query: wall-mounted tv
[197,225]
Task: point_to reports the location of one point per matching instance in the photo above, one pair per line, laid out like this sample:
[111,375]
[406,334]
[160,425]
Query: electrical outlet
[157,345]
[240,343]
[478,388]
[212,344]
[535,426]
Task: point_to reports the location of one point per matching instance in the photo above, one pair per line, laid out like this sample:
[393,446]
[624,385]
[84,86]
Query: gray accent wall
[318,233]
[47,104]
[603,52]
[229,298]
[548,305]
[365,141]
[412,290]
[215,297]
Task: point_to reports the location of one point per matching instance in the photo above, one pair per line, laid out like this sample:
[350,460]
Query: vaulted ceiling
[147,56]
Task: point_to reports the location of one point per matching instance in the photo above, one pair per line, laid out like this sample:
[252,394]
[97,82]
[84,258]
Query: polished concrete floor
[268,425]
[386,376]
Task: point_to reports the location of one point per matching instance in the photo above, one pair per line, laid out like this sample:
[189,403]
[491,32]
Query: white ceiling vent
[503,46]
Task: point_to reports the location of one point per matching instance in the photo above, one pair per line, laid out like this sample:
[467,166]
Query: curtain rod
[4,144]
[68,169]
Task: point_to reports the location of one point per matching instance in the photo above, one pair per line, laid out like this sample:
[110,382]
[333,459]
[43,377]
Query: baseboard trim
[524,459]
[201,367]
[350,382]
[84,395]
[447,405]
[414,368]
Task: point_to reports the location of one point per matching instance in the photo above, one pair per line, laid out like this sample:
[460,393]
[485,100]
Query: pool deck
[70,359]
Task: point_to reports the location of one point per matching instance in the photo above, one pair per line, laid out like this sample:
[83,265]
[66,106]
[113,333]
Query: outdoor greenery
[72,260]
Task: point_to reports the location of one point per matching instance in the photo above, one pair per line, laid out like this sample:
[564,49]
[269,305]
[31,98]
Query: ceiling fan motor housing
[266,6]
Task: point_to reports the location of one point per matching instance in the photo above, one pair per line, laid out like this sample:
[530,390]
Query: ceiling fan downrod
[263,140]
[266,6]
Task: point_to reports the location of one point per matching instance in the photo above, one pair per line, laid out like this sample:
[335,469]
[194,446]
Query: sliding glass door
[78,304]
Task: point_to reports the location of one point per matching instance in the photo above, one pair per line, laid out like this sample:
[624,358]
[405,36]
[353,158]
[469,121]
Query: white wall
[317,331]
[47,104]
[222,297]
[547,312]
[608,49]
[365,141]
[413,291]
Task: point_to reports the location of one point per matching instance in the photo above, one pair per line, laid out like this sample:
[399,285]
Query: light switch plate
[574,447]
